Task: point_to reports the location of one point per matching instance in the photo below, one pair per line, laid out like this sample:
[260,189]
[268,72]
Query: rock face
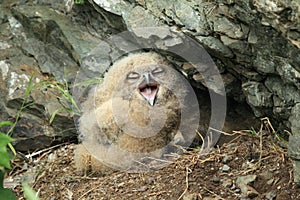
[255,45]
[41,50]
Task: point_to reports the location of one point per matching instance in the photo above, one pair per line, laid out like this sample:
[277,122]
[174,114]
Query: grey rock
[3,18]
[270,195]
[227,183]
[142,189]
[139,17]
[294,140]
[216,179]
[97,61]
[215,45]
[111,18]
[257,94]
[226,159]
[225,168]
[252,37]
[51,60]
[33,131]
[237,46]
[287,92]
[287,72]
[271,10]
[294,147]
[243,181]
[188,17]
[247,165]
[225,26]
[296,166]
[50,27]
[190,196]
[266,175]
[264,64]
[116,7]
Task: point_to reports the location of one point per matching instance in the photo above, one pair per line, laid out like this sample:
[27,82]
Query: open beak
[148,89]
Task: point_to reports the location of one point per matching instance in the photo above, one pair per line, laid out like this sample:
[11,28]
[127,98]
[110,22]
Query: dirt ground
[248,166]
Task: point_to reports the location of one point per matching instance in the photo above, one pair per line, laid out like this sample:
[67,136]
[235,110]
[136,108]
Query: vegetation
[5,162]
[7,151]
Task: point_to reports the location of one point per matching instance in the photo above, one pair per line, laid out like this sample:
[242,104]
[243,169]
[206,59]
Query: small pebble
[150,180]
[226,159]
[142,189]
[227,183]
[121,184]
[216,179]
[225,168]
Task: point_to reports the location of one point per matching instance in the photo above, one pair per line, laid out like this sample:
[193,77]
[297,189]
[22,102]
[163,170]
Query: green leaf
[7,193]
[54,114]
[78,1]
[5,123]
[12,148]
[29,193]
[4,155]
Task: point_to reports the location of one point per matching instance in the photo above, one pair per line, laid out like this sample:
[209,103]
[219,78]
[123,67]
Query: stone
[225,168]
[215,45]
[216,179]
[252,37]
[50,27]
[227,183]
[287,92]
[264,64]
[226,159]
[97,61]
[270,195]
[243,181]
[257,94]
[294,147]
[225,26]
[51,60]
[266,175]
[294,120]
[117,7]
[287,72]
[139,17]
[252,193]
[190,196]
[187,16]
[33,131]
[237,46]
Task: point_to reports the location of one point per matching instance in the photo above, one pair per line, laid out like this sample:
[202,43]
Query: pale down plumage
[136,112]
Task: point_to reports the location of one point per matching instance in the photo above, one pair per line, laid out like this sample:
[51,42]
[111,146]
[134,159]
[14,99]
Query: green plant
[68,104]
[253,132]
[6,157]
[79,1]
[29,193]
[66,99]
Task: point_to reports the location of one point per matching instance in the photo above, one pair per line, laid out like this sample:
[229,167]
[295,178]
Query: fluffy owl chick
[134,113]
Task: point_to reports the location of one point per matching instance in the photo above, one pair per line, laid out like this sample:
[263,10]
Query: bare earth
[216,175]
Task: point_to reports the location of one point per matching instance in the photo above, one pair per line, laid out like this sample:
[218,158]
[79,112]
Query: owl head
[147,76]
[146,81]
